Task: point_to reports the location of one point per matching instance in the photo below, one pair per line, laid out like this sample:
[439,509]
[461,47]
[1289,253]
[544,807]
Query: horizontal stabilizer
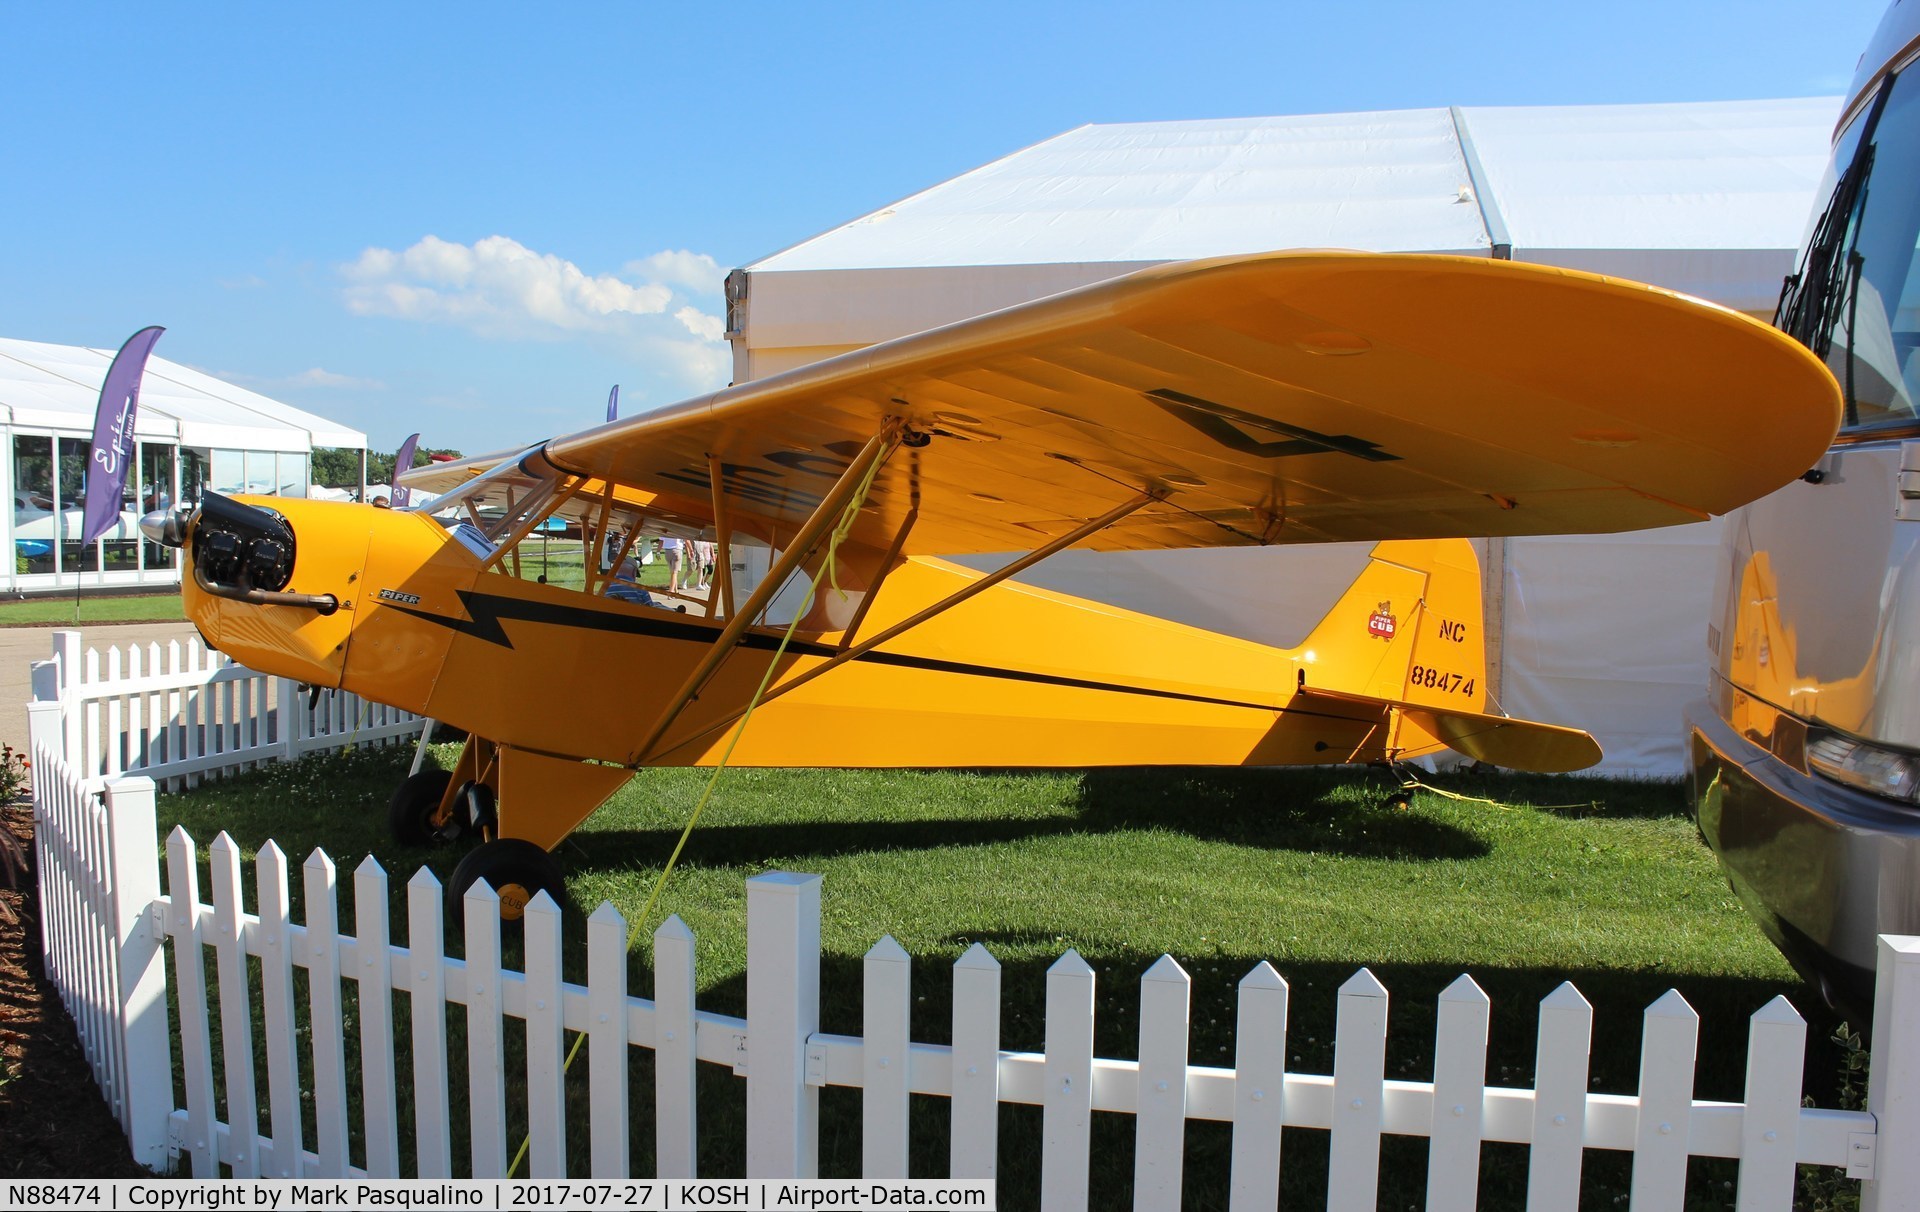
[1495,739]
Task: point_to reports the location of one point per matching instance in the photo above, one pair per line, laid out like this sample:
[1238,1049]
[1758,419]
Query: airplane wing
[1279,397]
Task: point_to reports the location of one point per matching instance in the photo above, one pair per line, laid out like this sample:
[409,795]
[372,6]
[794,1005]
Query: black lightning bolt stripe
[486,612]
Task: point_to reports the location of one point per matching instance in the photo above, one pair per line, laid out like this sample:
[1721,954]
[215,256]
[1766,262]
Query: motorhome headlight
[1868,767]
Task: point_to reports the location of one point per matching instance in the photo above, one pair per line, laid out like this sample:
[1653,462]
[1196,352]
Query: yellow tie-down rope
[840,532]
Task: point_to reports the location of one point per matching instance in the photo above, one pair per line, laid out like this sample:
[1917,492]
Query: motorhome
[1805,754]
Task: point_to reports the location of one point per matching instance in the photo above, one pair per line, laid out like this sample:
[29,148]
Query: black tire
[414,803]
[517,870]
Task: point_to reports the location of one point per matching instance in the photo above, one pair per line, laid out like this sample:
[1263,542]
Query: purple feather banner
[112,454]
[402,497]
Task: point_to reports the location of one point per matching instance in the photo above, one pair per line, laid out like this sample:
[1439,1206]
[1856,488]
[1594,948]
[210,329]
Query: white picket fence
[108,928]
[181,712]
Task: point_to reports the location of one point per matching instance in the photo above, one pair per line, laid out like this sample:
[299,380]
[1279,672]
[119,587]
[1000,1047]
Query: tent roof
[1708,197]
[58,386]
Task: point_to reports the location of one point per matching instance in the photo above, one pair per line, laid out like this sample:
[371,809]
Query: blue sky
[472,219]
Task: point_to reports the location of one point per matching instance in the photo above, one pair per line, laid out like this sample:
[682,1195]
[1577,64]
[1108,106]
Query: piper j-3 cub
[1277,398]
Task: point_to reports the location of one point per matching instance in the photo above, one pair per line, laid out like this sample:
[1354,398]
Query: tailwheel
[415,802]
[516,870]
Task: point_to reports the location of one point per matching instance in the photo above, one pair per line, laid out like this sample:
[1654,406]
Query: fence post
[142,1012]
[1893,1084]
[66,657]
[783,1010]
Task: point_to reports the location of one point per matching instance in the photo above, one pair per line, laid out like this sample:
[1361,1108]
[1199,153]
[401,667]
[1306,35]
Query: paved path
[20,647]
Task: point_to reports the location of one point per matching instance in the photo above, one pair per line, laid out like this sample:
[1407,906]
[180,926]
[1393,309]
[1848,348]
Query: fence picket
[1559,1101]
[236,1009]
[427,984]
[157,711]
[673,1055]
[1066,1119]
[546,1040]
[276,1003]
[114,742]
[328,1048]
[90,714]
[1359,1088]
[1259,1089]
[1459,1097]
[486,1047]
[608,1101]
[1770,1130]
[92,952]
[1160,1123]
[974,1138]
[886,1029]
[190,982]
[374,973]
[1669,1039]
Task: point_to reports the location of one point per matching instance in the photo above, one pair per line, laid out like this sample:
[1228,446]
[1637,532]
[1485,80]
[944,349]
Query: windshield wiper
[1828,276]
[1812,296]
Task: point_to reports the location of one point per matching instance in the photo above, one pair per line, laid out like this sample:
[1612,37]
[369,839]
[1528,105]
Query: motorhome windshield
[1855,299]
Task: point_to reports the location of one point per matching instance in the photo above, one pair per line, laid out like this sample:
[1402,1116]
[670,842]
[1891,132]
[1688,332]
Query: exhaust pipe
[240,552]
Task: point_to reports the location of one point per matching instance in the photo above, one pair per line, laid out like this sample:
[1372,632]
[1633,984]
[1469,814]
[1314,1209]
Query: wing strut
[825,516]
[721,591]
[945,604]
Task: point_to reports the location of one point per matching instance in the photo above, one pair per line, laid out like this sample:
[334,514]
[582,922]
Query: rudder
[1409,629]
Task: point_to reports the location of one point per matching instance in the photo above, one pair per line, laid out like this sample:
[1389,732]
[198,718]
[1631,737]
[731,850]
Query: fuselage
[1016,676]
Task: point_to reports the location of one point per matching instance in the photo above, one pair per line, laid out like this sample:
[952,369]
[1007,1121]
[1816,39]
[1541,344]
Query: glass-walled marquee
[194,434]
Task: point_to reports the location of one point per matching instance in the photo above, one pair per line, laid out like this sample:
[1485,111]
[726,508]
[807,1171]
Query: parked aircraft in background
[1276,398]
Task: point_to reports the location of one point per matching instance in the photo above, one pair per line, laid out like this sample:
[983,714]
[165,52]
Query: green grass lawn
[1604,883]
[119,608]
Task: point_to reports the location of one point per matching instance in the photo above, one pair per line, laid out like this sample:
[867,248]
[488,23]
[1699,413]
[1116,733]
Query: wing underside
[1296,397]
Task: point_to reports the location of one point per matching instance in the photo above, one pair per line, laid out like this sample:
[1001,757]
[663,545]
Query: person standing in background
[671,546]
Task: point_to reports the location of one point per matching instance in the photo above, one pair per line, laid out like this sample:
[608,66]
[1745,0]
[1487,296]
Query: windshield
[1855,298]
[503,496]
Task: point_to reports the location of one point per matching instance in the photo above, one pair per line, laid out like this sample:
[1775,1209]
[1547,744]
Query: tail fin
[1407,638]
[1408,630]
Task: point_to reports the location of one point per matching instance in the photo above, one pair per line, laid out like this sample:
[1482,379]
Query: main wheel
[516,870]
[410,814]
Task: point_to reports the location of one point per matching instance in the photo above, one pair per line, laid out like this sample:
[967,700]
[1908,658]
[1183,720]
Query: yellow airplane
[1275,398]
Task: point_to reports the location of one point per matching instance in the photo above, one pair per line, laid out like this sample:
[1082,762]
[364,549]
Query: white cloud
[692,271]
[502,290]
[317,377]
[497,287]
[700,324]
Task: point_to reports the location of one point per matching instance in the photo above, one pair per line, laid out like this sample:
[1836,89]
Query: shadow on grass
[1333,814]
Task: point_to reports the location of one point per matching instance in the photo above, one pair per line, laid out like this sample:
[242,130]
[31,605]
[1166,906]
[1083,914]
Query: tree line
[339,467]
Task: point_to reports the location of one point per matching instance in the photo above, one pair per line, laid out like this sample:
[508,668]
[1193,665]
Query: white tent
[193,431]
[1710,198]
